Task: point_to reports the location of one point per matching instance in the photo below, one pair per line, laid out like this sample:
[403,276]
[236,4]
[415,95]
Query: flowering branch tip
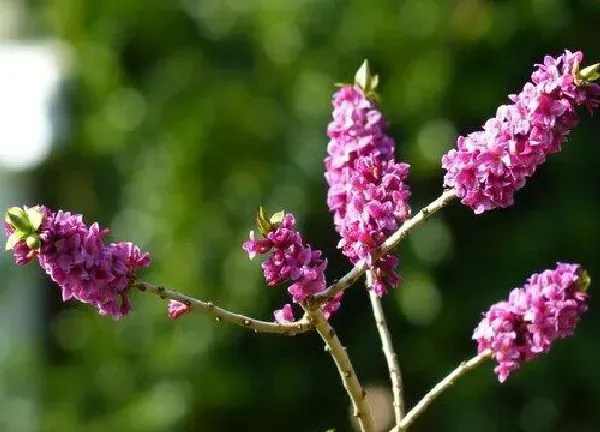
[548,307]
[490,165]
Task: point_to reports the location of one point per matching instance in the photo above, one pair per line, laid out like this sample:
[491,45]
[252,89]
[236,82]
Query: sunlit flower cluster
[526,325]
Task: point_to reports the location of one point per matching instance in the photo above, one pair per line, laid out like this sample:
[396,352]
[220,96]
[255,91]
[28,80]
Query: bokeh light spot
[432,242]
[539,415]
[419,299]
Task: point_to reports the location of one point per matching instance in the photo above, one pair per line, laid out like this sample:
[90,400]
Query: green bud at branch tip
[366,80]
[363,75]
[262,223]
[17,217]
[35,217]
[588,74]
[584,281]
[13,239]
[33,242]
[277,218]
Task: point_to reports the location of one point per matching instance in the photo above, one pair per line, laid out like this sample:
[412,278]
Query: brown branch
[220,314]
[388,351]
[439,388]
[360,404]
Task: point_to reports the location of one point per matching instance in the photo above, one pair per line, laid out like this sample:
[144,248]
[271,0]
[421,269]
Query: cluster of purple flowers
[547,308]
[490,165]
[367,191]
[77,259]
[291,260]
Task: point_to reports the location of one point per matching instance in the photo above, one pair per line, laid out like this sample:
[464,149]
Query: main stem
[388,350]
[360,404]
[352,276]
[439,388]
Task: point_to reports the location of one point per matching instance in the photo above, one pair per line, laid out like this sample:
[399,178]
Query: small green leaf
[588,74]
[13,211]
[584,281]
[276,219]
[373,83]
[35,217]
[17,217]
[363,75]
[262,223]
[367,81]
[343,85]
[13,239]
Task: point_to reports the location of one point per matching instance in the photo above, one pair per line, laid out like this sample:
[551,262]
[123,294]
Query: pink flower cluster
[77,259]
[547,308]
[490,165]
[367,194]
[291,260]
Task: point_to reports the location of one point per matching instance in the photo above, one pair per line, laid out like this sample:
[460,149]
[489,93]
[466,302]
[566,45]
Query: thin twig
[353,275]
[209,308]
[422,405]
[388,351]
[360,404]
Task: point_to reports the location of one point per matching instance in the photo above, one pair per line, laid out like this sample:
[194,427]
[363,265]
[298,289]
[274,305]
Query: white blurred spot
[380,399]
[29,74]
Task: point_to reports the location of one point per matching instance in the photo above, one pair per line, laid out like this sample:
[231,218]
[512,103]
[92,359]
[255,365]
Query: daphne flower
[76,257]
[285,314]
[546,308]
[289,261]
[177,309]
[489,166]
[368,194]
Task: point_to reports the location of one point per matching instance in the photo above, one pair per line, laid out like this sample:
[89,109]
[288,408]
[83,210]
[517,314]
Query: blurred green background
[174,120]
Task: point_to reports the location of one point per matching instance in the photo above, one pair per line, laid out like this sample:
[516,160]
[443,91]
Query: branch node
[392,241]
